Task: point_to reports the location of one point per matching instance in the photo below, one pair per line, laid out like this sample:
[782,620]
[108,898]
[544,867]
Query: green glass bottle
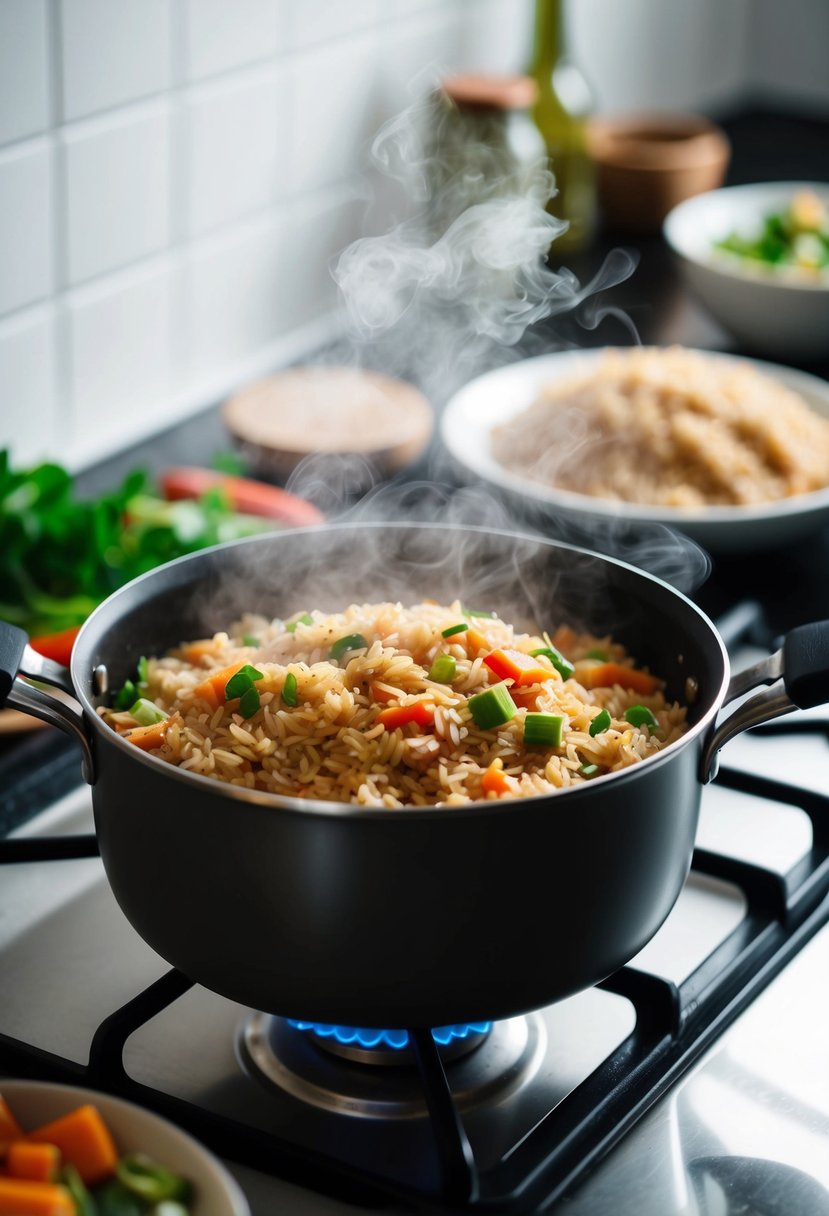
[561,112]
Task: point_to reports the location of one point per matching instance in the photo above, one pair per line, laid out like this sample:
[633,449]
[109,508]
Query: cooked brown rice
[332,746]
[669,427]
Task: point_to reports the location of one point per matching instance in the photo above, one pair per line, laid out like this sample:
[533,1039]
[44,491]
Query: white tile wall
[117,189]
[113,51]
[122,352]
[238,132]
[177,175]
[26,250]
[225,34]
[29,416]
[24,76]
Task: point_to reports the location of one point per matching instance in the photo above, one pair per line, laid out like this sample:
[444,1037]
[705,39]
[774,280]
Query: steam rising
[448,292]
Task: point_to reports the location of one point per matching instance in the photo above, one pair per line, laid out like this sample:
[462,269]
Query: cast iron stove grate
[674,1024]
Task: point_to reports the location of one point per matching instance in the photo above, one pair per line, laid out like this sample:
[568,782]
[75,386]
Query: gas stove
[694,1080]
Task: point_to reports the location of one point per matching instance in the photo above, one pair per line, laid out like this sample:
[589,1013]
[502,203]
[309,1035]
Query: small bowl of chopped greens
[758,258]
[75,1152]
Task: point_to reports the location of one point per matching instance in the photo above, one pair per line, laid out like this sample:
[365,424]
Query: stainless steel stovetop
[743,1129]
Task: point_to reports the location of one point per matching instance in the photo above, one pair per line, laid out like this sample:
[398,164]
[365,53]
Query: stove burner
[486,1065]
[368,1046]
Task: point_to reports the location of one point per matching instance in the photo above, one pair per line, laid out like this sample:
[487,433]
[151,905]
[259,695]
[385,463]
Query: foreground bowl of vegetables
[422,915]
[758,258]
[66,1151]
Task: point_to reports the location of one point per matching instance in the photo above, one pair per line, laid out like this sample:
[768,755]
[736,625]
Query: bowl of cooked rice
[371,774]
[733,452]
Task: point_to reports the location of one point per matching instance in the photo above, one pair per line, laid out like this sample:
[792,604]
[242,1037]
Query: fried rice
[378,724]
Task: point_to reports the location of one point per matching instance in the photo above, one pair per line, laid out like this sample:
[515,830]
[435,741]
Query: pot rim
[292,803]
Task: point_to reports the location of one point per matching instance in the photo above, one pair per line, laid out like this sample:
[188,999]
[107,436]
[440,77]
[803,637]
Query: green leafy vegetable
[61,555]
[149,1181]
[249,702]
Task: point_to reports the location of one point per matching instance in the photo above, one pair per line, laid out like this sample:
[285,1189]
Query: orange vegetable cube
[421,712]
[212,689]
[84,1140]
[37,1162]
[597,674]
[10,1129]
[517,666]
[19,1197]
[495,780]
[148,737]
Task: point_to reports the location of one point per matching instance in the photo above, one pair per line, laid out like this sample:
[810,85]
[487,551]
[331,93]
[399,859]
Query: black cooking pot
[430,915]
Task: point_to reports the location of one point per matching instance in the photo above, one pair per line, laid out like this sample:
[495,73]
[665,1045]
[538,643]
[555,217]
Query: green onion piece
[239,683]
[443,669]
[589,770]
[493,707]
[84,1203]
[126,696]
[146,713]
[453,629]
[640,715]
[114,1199]
[351,641]
[475,612]
[250,640]
[149,1181]
[543,730]
[597,653]
[249,702]
[563,666]
[600,722]
[305,619]
[143,669]
[289,689]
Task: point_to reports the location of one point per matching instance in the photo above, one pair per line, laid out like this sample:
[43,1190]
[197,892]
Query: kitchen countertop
[766,146]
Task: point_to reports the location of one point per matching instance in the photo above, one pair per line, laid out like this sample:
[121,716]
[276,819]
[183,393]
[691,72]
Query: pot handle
[798,675]
[18,659]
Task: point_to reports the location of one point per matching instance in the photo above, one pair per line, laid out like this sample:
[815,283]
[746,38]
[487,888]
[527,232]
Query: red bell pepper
[56,646]
[245,495]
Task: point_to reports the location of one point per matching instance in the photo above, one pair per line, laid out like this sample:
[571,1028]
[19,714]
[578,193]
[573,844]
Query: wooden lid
[334,410]
[492,92]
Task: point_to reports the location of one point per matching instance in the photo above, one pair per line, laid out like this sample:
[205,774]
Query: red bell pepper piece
[56,646]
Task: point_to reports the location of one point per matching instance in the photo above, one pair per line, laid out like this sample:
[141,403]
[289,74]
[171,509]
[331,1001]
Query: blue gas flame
[396,1039]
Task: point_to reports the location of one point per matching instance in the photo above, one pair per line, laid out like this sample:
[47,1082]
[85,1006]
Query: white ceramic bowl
[134,1130]
[773,312]
[498,396]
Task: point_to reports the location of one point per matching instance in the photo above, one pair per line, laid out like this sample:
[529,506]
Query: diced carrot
[516,666]
[56,646]
[19,1197]
[85,1141]
[212,689]
[596,674]
[495,780]
[421,712]
[37,1162]
[148,737]
[474,640]
[10,1129]
[195,651]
